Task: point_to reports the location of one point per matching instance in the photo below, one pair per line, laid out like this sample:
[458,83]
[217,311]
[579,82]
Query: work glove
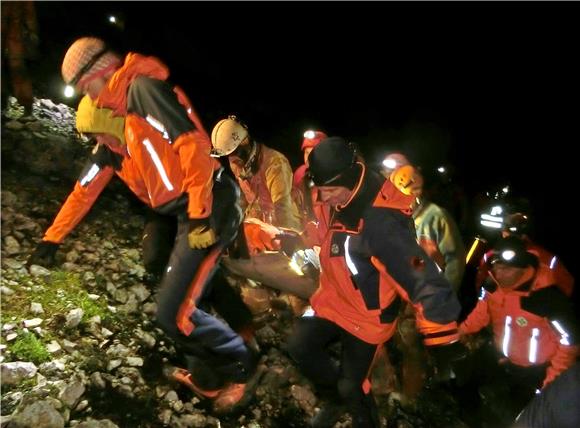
[451,362]
[201,235]
[44,254]
[260,236]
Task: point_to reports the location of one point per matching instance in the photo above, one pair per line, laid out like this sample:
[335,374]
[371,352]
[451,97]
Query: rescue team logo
[235,136]
[521,321]
[335,249]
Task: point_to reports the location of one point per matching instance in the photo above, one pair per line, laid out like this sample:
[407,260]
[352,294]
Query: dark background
[491,88]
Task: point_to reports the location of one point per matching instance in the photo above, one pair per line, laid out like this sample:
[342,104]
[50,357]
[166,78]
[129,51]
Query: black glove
[201,235]
[451,362]
[44,254]
[290,242]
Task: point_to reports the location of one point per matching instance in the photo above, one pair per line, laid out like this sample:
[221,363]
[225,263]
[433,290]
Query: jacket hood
[114,95]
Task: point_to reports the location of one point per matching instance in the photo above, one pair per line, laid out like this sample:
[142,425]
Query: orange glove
[261,237]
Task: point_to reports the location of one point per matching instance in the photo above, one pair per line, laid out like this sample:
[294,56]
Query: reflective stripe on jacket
[168,156]
[370,260]
[532,324]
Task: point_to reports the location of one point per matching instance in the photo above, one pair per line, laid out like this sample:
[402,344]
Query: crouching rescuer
[148,134]
[370,263]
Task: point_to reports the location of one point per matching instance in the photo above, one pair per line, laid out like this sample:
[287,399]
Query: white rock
[74,317]
[93,296]
[68,345]
[113,364]
[140,292]
[82,405]
[88,276]
[71,394]
[6,291]
[11,245]
[8,327]
[53,347]
[11,336]
[98,381]
[34,322]
[96,319]
[135,361]
[171,396]
[53,366]
[13,373]
[106,332]
[39,414]
[12,263]
[36,308]
[37,271]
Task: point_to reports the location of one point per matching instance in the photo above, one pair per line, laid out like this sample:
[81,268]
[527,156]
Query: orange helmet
[407,179]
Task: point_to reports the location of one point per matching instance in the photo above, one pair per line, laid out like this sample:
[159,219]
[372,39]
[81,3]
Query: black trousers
[157,243]
[339,381]
[189,274]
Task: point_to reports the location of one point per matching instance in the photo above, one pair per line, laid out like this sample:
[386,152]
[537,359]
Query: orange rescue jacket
[168,149]
[533,322]
[370,260]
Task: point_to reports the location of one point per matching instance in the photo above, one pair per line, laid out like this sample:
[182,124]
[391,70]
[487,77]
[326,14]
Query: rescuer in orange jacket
[370,261]
[516,222]
[532,320]
[161,151]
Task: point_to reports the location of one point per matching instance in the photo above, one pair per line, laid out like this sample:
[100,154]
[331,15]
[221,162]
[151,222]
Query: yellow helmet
[227,135]
[407,179]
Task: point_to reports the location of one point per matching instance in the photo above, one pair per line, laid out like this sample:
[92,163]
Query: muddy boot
[183,377]
[237,396]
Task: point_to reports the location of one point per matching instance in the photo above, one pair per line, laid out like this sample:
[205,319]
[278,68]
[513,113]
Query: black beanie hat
[333,163]
[512,251]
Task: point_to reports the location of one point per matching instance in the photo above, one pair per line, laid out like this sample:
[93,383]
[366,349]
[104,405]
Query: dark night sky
[492,87]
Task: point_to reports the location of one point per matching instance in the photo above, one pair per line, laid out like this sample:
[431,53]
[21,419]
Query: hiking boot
[183,377]
[328,415]
[236,396]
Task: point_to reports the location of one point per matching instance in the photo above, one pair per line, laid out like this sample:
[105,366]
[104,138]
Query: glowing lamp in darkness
[112,19]
[69,91]
[507,255]
[390,163]
[309,134]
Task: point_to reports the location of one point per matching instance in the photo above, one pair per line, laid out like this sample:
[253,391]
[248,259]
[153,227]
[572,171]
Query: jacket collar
[350,215]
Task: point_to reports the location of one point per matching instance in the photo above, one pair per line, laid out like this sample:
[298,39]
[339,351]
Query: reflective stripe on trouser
[209,338]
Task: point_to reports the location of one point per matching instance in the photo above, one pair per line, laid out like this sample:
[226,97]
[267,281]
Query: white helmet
[227,135]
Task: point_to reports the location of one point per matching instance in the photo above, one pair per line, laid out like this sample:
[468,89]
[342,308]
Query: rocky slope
[79,343]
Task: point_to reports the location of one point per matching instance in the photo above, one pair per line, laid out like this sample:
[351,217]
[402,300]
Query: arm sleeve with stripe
[156,101]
